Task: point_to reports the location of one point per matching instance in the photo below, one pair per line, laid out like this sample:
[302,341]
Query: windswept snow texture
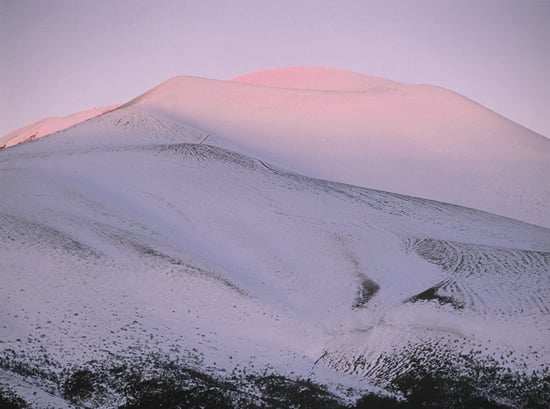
[130,232]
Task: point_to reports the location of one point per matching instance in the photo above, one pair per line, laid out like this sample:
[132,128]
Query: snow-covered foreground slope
[418,140]
[130,234]
[49,126]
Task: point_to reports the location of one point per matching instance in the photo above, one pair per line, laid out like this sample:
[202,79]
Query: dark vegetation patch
[9,400]
[80,385]
[432,294]
[38,367]
[281,392]
[157,381]
[430,377]
[366,291]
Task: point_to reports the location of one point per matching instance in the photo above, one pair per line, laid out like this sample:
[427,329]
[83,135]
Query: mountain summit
[315,78]
[197,245]
[418,140]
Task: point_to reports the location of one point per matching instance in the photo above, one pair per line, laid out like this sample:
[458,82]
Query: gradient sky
[63,56]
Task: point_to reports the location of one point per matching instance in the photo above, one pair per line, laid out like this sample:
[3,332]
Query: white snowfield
[140,230]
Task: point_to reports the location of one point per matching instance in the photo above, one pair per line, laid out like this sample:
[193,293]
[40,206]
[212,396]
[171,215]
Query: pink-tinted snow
[419,140]
[48,126]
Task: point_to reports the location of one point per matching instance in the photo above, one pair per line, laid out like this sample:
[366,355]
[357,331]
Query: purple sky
[63,56]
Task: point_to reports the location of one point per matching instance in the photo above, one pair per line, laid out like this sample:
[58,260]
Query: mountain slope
[49,126]
[419,140]
[129,233]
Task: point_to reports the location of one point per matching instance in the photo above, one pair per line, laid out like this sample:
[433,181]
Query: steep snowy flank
[419,140]
[132,234]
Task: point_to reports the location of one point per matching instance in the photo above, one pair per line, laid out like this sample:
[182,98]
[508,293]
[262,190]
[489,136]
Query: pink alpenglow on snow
[418,140]
[49,126]
[315,78]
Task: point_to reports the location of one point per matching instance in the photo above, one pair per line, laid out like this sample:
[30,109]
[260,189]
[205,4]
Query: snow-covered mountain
[48,126]
[419,140]
[162,226]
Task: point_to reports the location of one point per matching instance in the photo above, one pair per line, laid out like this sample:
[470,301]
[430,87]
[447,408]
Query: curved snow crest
[48,126]
[418,140]
[315,78]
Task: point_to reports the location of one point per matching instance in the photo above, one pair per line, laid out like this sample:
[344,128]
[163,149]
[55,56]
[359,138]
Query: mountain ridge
[51,125]
[413,139]
[137,234]
[362,138]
